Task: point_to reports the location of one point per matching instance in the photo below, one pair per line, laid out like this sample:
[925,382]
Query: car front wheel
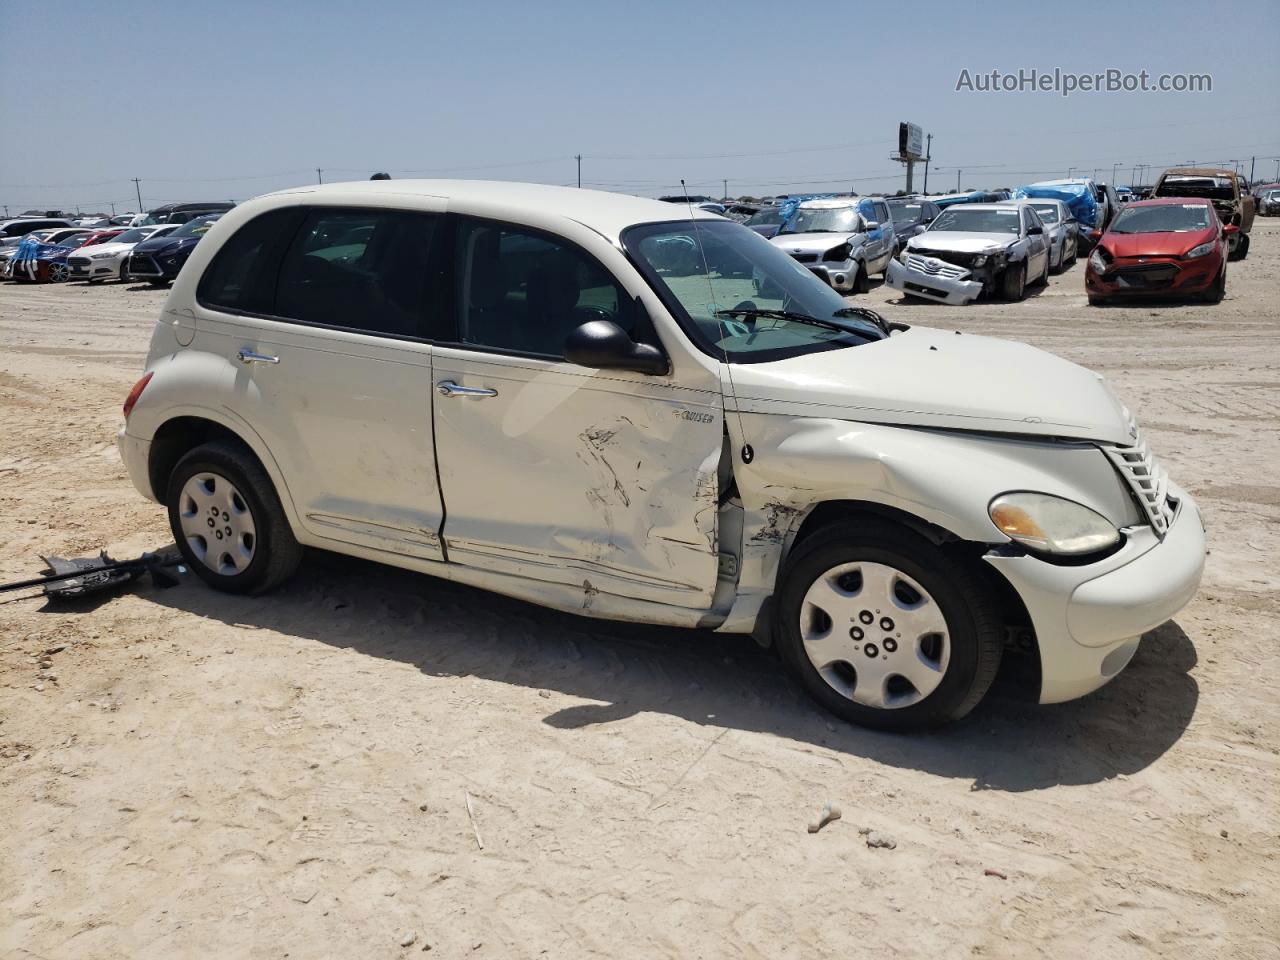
[1013,282]
[228,522]
[886,630]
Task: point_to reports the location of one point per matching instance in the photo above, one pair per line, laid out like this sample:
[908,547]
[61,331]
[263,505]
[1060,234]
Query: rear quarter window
[242,276]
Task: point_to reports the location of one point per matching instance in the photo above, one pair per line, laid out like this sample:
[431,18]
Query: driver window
[524,292]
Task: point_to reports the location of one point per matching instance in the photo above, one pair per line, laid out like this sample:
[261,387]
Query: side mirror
[1034,230]
[1095,235]
[605,345]
[872,225]
[1230,228]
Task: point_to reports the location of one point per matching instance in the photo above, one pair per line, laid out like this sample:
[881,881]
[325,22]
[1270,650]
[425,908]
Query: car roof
[606,213]
[1021,201]
[830,203]
[1170,202]
[997,205]
[1197,172]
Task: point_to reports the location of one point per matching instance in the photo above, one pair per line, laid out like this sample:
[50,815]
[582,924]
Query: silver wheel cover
[875,635]
[217,524]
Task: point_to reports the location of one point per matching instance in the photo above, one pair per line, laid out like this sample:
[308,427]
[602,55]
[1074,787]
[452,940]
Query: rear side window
[364,270]
[242,276]
[523,291]
[882,212]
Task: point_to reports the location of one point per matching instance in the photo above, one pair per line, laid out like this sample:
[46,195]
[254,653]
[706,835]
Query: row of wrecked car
[956,248]
[153,253]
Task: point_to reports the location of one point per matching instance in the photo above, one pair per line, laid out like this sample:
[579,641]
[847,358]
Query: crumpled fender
[943,478]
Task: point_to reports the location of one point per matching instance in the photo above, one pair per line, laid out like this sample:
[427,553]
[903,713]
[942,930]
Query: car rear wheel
[1096,301]
[1013,282]
[884,629]
[228,522]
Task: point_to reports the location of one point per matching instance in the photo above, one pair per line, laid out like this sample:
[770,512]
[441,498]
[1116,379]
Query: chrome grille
[1147,479]
[935,268]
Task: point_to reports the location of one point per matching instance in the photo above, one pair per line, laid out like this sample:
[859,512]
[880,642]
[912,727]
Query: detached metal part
[67,579]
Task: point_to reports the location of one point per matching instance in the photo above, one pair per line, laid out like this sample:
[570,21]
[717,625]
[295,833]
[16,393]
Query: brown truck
[1224,189]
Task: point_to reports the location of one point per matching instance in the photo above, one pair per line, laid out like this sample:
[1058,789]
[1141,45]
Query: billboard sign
[910,142]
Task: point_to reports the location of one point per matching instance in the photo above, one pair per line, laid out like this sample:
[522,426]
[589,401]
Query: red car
[1170,247]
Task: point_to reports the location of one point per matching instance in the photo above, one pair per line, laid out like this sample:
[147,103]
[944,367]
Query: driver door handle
[448,388]
[249,356]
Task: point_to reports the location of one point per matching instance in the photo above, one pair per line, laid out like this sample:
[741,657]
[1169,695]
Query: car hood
[165,245]
[959,241]
[814,242]
[1155,244]
[931,378]
[104,248]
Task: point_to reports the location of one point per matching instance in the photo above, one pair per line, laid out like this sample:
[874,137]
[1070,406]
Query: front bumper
[86,268]
[931,287]
[840,276]
[1088,619]
[1157,277]
[135,453]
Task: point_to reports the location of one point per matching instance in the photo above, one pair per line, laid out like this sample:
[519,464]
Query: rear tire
[228,522]
[1097,301]
[886,630]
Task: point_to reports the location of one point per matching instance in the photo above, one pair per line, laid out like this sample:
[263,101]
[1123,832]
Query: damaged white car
[522,388]
[834,239]
[972,249]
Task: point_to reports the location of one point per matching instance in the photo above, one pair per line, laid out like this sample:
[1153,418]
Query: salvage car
[158,259]
[41,256]
[96,262]
[972,249]
[836,242]
[12,231]
[1161,248]
[1269,203]
[1081,196]
[911,216]
[1224,189]
[1061,230]
[545,412]
[181,212]
[767,221]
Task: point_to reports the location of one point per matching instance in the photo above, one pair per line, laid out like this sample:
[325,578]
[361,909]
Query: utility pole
[319,175]
[928,154]
[958,172]
[137,186]
[1132,177]
[113,209]
[578,157]
[1252,161]
[1113,173]
[725,184]
[1069,171]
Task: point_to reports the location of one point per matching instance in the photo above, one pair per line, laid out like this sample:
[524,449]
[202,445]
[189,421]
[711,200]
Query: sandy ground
[194,775]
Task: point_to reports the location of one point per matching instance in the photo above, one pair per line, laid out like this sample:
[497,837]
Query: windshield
[977,221]
[1166,218]
[723,266]
[195,228]
[824,220]
[766,217]
[904,211]
[1048,212]
[1212,188]
[136,235]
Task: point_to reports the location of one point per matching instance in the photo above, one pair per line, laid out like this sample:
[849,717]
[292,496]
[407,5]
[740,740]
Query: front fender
[946,479]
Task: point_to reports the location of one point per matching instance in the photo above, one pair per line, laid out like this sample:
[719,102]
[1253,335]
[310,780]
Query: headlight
[102,256]
[1096,261]
[1201,251]
[1051,524]
[838,254]
[980,260]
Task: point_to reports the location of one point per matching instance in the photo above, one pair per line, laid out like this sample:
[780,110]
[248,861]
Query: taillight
[135,393]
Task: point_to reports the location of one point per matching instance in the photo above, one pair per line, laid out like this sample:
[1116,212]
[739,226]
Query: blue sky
[228,100]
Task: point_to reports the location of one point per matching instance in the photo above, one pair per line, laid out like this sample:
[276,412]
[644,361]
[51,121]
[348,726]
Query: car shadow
[1008,743]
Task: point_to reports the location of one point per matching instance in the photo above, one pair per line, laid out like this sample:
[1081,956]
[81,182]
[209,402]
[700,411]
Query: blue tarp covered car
[1078,195]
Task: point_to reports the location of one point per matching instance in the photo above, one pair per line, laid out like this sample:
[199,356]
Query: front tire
[1013,282]
[861,282]
[228,522]
[886,630]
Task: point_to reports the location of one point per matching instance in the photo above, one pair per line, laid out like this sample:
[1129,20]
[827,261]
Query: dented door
[601,479]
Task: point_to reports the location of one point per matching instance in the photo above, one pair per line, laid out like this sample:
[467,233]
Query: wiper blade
[788,315]
[864,314]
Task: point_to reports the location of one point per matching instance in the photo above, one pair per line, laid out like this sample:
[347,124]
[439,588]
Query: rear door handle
[448,388]
[249,356]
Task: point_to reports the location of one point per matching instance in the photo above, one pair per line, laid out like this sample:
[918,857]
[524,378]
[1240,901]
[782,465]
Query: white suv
[595,403]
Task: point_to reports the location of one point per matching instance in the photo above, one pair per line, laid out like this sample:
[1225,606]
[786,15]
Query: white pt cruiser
[618,408]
